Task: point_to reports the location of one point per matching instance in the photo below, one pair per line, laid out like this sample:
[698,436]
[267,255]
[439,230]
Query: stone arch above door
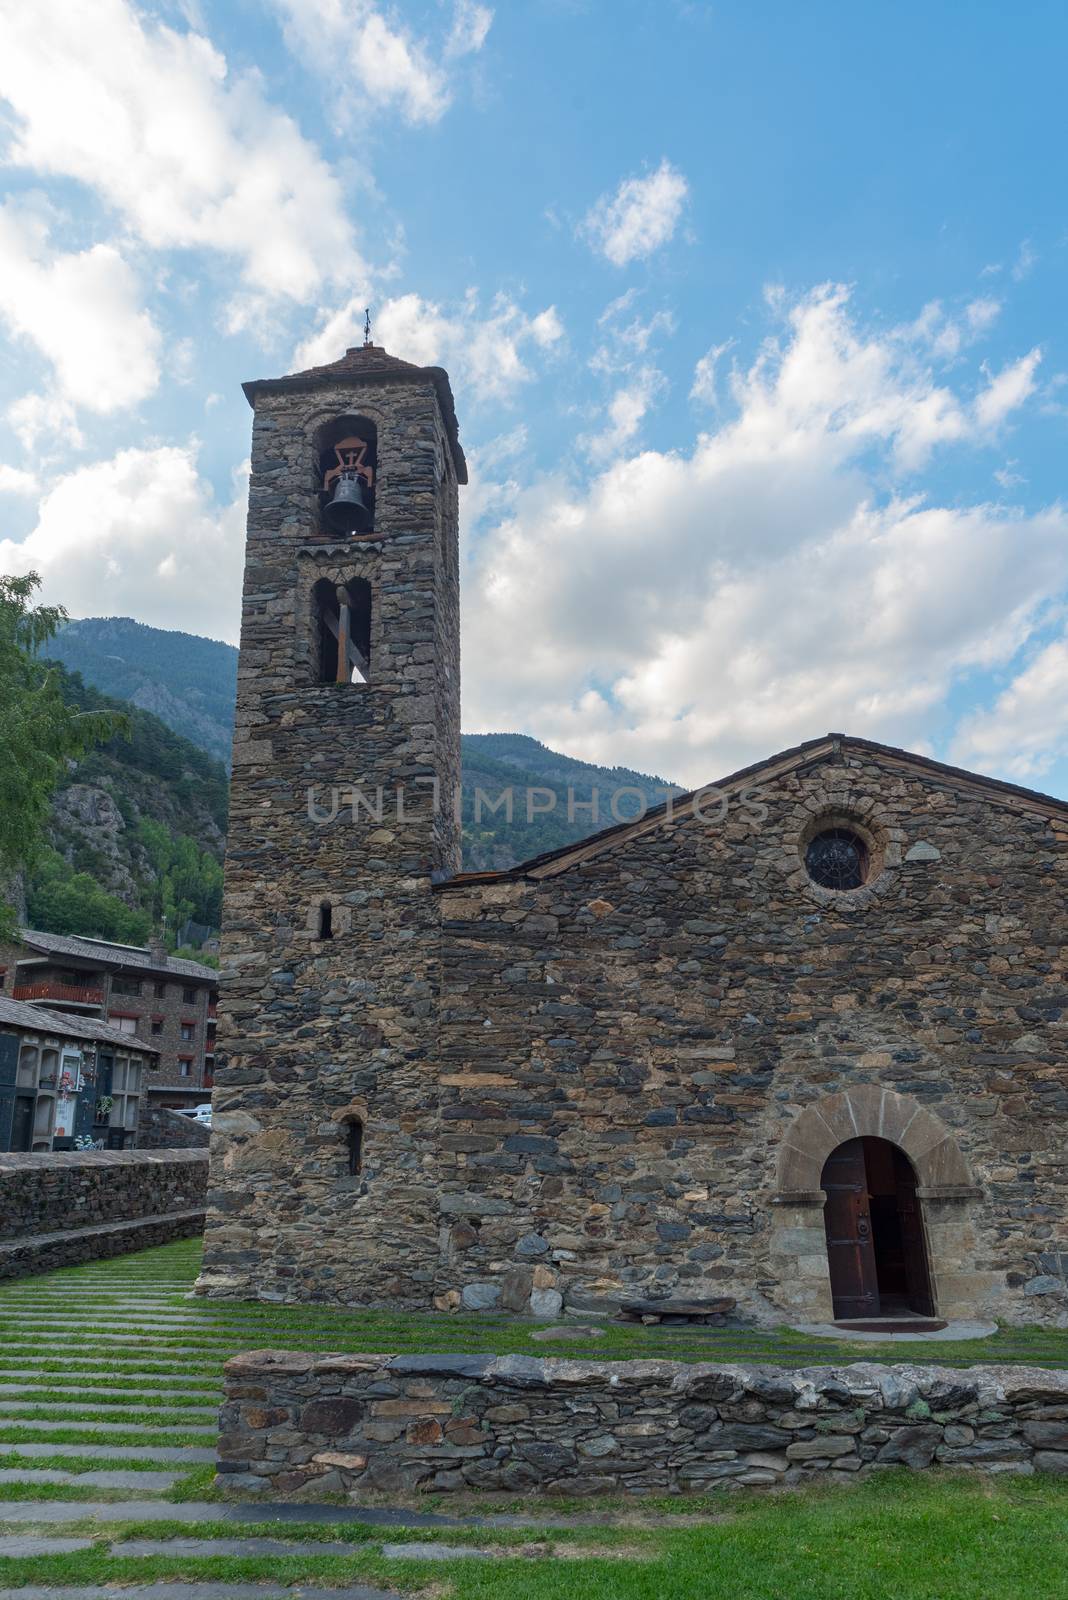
[869,1111]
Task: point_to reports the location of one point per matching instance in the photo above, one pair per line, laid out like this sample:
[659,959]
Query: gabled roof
[369,363]
[127,957]
[35,1019]
[554,862]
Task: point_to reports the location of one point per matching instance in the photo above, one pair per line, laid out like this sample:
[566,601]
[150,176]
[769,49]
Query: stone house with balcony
[66,1077]
[139,991]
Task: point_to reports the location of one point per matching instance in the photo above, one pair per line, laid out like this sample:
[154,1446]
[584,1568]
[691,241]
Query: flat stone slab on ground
[190,1455]
[28,1544]
[416,1551]
[89,1480]
[59,1423]
[718,1307]
[235,1547]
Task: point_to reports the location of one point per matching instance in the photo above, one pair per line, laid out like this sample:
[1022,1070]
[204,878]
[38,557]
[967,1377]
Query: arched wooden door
[876,1248]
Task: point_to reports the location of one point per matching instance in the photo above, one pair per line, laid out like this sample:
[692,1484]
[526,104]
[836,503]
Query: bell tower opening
[876,1243]
[347,466]
[342,630]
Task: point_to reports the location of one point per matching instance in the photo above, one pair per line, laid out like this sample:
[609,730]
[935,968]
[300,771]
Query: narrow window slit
[326,920]
[354,1137]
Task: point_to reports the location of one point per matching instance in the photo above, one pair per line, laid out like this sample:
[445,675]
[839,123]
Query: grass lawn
[72,1339]
[894,1537]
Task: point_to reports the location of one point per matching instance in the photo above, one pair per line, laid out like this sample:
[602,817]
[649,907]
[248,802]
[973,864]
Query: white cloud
[83,313]
[484,352]
[1026,729]
[471,23]
[641,216]
[703,388]
[35,417]
[188,154]
[1008,390]
[685,613]
[626,411]
[371,61]
[15,480]
[136,535]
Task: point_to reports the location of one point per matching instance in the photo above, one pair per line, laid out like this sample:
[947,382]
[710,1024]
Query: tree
[38,732]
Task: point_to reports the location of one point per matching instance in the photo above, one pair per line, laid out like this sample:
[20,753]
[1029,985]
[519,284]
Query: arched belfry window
[346,475]
[342,617]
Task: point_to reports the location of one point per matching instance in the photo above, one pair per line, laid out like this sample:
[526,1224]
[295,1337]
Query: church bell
[349,511]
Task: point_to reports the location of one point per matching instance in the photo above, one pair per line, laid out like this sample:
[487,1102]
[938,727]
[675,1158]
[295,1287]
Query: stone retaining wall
[66,1190]
[292,1421]
[163,1128]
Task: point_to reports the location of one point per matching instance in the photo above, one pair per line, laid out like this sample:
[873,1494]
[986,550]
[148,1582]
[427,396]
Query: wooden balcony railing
[46,989]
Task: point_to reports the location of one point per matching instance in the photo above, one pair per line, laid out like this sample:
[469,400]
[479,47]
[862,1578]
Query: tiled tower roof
[370,363]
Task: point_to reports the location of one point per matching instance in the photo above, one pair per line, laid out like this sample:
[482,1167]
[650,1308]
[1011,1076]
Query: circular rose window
[837,858]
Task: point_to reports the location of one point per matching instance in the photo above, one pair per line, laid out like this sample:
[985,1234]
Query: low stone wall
[163,1128]
[293,1421]
[76,1194]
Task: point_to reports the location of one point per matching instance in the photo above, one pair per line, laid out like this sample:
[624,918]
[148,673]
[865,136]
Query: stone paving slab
[25,1544]
[190,1455]
[197,1511]
[90,1480]
[414,1551]
[178,1589]
[235,1547]
[92,1390]
[85,1403]
[60,1423]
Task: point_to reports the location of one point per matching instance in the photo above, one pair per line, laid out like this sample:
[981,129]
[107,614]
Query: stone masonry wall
[71,1189]
[162,1128]
[644,1060]
[293,1422]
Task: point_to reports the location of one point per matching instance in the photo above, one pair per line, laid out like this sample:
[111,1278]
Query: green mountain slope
[552,798]
[136,835]
[189,684]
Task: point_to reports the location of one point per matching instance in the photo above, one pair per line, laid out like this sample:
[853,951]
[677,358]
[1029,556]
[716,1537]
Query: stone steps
[42,1252]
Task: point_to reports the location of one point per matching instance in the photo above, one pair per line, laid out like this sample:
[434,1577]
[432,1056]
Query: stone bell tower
[346,761]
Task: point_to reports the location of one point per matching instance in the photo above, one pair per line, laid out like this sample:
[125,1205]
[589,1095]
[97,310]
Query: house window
[124,1024]
[185,1066]
[157,1026]
[161,990]
[125,1094]
[121,985]
[187,1030]
[189,996]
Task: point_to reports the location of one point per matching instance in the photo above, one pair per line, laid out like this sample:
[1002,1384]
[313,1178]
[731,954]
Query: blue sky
[754,315]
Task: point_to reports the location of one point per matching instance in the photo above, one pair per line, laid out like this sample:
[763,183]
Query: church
[796,1042]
